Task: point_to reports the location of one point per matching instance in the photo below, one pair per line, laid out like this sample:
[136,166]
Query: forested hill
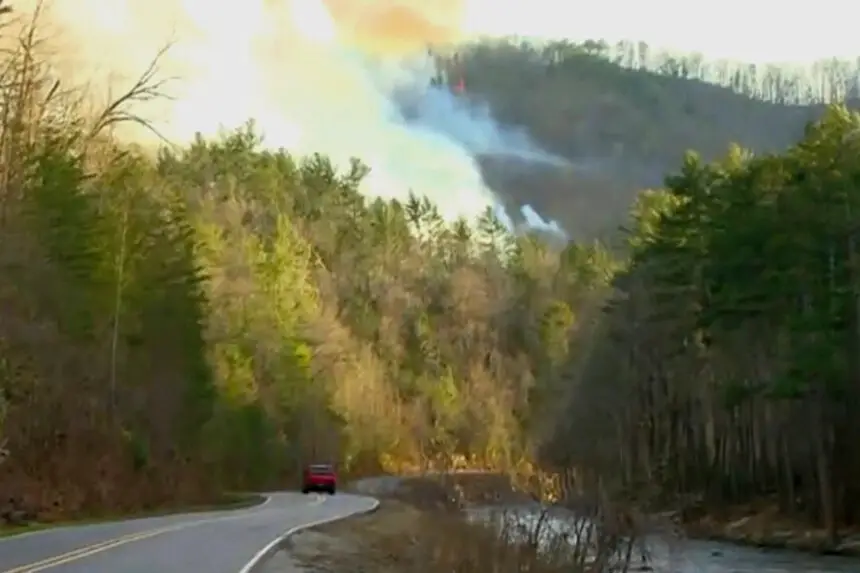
[624,116]
[214,317]
[217,316]
[731,338]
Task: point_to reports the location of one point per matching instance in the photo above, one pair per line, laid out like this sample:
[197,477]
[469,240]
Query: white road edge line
[274,546]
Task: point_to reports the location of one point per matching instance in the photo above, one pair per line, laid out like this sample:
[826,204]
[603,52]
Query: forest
[623,115]
[211,318]
[726,359]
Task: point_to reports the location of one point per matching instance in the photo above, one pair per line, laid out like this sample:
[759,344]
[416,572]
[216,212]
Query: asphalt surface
[210,542]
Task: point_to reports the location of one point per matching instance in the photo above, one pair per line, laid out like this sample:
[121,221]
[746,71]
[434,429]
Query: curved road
[211,542]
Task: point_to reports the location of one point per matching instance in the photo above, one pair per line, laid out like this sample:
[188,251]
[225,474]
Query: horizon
[791,41]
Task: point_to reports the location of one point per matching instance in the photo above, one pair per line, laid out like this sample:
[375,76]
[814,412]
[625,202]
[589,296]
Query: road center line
[96,548]
[85,552]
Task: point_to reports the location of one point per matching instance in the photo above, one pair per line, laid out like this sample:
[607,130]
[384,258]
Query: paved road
[212,542]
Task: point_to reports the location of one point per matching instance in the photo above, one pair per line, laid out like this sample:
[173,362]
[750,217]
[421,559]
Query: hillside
[211,318]
[621,124]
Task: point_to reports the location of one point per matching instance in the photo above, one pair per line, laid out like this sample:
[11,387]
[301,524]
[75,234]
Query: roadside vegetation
[210,318]
[424,525]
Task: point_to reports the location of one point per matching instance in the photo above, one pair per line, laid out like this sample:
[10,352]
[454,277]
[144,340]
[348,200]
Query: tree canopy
[624,114]
[727,360]
[214,317]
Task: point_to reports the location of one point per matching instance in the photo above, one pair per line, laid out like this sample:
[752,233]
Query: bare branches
[146,89]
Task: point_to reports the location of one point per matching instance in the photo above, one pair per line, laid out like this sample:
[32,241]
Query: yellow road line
[111,543]
[86,551]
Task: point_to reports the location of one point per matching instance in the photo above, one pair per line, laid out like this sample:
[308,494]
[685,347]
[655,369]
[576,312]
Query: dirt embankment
[398,538]
[421,527]
[762,525]
[759,525]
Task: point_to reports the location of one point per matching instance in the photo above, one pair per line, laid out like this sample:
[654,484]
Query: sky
[328,75]
[748,30]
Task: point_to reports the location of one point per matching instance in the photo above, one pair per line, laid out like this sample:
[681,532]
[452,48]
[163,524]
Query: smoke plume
[397,27]
[346,78]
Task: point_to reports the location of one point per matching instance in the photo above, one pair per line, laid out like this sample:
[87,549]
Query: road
[211,542]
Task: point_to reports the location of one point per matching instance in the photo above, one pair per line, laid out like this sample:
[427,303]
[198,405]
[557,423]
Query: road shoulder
[419,526]
[12,526]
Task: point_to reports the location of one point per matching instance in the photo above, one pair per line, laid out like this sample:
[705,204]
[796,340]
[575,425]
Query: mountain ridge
[623,128]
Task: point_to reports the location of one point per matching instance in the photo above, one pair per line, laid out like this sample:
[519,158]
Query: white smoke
[286,65]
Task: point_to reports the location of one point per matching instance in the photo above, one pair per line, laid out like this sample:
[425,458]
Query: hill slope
[623,128]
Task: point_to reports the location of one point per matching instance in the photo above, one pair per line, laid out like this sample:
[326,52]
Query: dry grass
[420,529]
[402,539]
[764,525]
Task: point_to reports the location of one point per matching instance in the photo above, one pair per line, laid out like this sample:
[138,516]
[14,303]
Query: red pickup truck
[319,477]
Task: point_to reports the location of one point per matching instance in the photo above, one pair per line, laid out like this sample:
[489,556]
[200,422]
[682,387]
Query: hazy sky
[750,30]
